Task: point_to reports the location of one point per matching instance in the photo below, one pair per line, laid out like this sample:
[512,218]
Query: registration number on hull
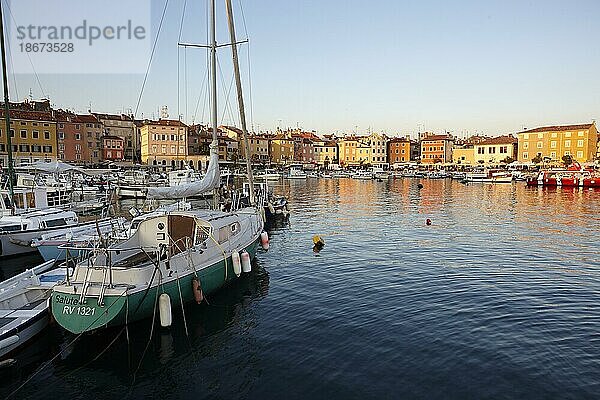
[80,310]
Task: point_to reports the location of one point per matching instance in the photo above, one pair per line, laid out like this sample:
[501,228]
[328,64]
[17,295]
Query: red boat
[574,176]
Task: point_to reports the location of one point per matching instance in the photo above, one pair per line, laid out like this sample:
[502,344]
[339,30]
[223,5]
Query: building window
[492,150]
[12,133]
[23,134]
[540,145]
[24,148]
[580,143]
[553,155]
[553,144]
[525,156]
[580,133]
[526,145]
[46,135]
[554,134]
[77,136]
[77,147]
[580,154]
[35,134]
[540,135]
[567,153]
[567,134]
[47,149]
[567,143]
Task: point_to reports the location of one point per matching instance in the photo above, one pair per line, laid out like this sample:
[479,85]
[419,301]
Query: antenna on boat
[240,98]
[11,171]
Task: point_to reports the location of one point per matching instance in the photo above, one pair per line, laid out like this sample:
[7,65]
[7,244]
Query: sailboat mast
[240,97]
[213,87]
[213,70]
[11,172]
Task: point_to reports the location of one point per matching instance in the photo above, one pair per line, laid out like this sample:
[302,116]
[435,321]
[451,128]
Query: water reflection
[117,355]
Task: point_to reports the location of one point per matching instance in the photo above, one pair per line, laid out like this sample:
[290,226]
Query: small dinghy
[24,305]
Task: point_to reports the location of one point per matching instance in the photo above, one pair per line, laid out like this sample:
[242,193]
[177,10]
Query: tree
[508,160]
[567,160]
[537,159]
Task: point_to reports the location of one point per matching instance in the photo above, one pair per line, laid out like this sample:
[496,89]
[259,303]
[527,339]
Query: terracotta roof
[500,140]
[437,137]
[231,128]
[555,128]
[86,118]
[399,140]
[30,115]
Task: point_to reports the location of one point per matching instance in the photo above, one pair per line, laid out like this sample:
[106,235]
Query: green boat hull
[129,307]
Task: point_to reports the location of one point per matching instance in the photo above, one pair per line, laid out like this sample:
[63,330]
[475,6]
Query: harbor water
[497,299]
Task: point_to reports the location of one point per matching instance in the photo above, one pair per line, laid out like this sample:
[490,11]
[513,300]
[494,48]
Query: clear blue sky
[490,67]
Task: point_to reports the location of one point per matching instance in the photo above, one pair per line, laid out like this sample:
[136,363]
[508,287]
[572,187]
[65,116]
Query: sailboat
[172,258]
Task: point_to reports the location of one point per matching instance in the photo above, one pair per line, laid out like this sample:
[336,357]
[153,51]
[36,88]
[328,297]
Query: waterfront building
[69,138]
[463,155]
[552,143]
[399,150]
[354,151]
[123,126]
[113,148]
[282,148]
[326,152]
[33,133]
[259,149]
[92,131]
[306,153]
[164,143]
[377,154]
[496,150]
[231,132]
[437,149]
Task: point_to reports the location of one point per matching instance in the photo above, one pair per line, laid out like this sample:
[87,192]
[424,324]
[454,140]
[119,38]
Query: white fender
[264,240]
[164,310]
[237,263]
[246,265]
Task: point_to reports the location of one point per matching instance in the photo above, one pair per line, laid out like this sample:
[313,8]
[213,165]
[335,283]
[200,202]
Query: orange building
[437,149]
[398,150]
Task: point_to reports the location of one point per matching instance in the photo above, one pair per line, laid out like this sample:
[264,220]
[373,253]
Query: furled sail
[209,182]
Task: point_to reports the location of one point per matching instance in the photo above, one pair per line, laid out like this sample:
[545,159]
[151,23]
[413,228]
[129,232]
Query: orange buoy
[197,289]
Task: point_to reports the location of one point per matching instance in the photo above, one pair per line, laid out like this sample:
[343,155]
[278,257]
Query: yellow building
[377,154]
[33,137]
[326,152]
[463,155]
[551,143]
[259,148]
[282,148]
[347,148]
[164,143]
[496,150]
